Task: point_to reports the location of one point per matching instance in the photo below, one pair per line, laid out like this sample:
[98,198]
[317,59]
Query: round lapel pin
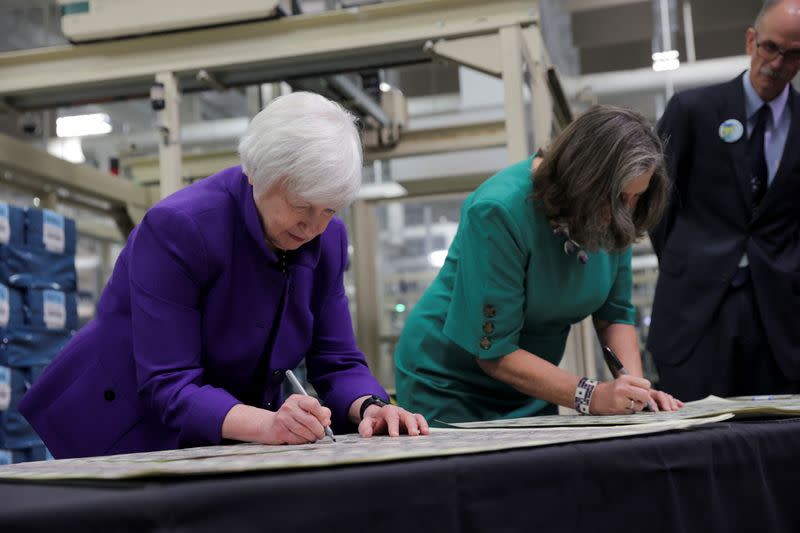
[731,130]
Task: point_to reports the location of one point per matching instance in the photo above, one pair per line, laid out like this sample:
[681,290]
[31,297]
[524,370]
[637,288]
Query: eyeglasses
[769,50]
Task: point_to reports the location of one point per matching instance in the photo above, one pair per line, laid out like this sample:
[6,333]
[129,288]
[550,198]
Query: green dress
[506,284]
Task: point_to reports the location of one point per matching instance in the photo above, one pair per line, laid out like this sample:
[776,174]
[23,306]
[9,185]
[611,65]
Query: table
[725,477]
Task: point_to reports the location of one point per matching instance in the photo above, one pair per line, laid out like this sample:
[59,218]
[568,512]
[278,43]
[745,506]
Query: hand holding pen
[300,390]
[617,369]
[301,419]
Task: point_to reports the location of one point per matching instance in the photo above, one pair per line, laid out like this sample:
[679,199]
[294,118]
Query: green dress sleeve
[486,309]
[618,308]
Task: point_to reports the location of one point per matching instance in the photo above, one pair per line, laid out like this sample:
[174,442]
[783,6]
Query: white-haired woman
[540,246]
[223,287]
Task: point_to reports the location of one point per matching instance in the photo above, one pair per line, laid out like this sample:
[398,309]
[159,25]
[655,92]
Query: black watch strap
[372,400]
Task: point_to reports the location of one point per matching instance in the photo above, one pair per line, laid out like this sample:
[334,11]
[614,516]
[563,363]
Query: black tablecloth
[737,476]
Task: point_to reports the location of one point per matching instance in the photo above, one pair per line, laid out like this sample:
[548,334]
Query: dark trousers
[733,358]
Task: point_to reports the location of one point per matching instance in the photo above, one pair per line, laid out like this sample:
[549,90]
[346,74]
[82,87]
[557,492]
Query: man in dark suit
[726,315]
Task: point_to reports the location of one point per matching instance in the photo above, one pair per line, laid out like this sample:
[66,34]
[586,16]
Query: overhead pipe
[695,74]
[226,130]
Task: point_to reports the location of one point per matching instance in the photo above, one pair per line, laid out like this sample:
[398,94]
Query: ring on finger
[633,402]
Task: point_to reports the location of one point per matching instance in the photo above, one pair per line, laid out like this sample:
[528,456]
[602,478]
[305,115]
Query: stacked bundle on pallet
[38,314]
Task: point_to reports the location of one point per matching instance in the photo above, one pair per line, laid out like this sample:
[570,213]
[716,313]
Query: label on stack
[5,224]
[5,387]
[55,309]
[53,232]
[5,306]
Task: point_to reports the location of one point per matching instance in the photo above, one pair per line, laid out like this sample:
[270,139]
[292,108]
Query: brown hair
[581,178]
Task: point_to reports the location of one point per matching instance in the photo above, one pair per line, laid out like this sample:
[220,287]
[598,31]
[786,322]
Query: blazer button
[488,328]
[489,311]
[109,395]
[486,343]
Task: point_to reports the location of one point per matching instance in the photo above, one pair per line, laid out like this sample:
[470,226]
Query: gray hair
[307,144]
[582,176]
[767,5]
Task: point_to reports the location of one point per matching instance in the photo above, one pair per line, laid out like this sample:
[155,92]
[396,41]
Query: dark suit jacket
[200,315]
[710,224]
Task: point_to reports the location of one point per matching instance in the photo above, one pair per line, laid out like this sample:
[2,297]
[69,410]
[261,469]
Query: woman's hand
[393,420]
[664,401]
[300,420]
[625,395]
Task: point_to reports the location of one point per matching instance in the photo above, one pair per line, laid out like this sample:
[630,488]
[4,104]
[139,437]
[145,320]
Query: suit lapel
[788,158]
[733,108]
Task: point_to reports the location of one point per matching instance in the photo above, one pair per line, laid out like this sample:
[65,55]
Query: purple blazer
[197,317]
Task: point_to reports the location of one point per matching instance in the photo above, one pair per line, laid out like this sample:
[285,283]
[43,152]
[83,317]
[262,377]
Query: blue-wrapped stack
[38,314]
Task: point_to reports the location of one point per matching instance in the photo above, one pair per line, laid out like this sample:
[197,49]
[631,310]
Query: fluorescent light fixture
[437,257]
[667,60]
[80,125]
[385,87]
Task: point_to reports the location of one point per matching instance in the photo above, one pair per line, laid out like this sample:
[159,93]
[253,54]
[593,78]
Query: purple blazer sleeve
[336,367]
[168,269]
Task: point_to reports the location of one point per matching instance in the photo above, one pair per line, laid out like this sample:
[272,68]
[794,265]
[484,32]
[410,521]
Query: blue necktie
[755,154]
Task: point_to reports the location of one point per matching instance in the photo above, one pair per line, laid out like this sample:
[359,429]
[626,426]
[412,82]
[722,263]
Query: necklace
[570,246]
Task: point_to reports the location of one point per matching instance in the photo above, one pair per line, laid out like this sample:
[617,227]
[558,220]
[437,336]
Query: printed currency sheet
[740,407]
[349,449]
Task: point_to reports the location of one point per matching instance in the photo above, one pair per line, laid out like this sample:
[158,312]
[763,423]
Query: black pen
[616,368]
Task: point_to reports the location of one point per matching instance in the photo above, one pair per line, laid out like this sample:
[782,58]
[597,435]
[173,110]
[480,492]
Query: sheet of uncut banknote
[348,449]
[740,407]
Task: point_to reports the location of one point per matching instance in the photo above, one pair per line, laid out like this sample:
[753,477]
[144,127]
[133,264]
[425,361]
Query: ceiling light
[80,125]
[667,60]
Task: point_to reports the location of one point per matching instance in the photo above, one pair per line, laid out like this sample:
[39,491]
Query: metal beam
[574,6]
[361,100]
[443,140]
[145,170]
[481,53]
[363,227]
[484,53]
[50,199]
[304,45]
[542,104]
[127,200]
[99,231]
[516,123]
[169,126]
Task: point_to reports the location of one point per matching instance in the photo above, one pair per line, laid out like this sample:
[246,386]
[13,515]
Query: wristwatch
[372,400]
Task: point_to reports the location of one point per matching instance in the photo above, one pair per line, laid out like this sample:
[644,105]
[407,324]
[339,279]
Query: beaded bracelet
[583,395]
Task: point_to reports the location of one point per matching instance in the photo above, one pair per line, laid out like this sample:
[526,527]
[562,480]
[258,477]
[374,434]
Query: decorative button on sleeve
[489,311]
[486,343]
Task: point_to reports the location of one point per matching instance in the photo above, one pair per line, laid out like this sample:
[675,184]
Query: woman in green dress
[541,245]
